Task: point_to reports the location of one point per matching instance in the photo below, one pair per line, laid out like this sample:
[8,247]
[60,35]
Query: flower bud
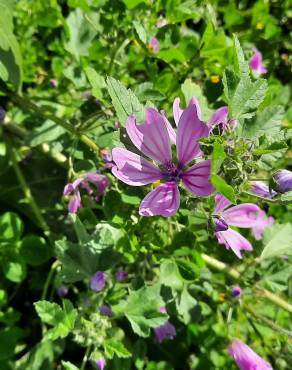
[236,291]
[105,310]
[220,224]
[121,275]
[282,181]
[53,83]
[62,291]
[97,282]
[100,363]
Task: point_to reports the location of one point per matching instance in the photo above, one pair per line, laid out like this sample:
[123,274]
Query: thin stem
[85,358]
[49,279]
[221,266]
[26,189]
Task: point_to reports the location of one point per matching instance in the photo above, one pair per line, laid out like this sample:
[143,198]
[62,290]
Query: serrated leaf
[124,101]
[240,64]
[267,122]
[222,187]
[113,347]
[142,309]
[140,31]
[218,157]
[278,240]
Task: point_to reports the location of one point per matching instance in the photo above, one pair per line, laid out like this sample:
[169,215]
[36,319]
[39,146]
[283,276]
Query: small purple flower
[244,216]
[246,358]
[154,45]
[62,291]
[91,182]
[53,83]
[262,189]
[100,363]
[106,310]
[236,291]
[2,114]
[256,64]
[97,282]
[153,139]
[165,331]
[261,223]
[162,309]
[220,224]
[283,181]
[121,276]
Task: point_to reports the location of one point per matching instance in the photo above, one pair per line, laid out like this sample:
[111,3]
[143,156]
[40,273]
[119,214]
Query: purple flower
[165,331]
[97,282]
[91,182]
[262,189]
[220,224]
[153,139]
[162,309]
[283,181]
[2,114]
[62,291]
[246,358]
[261,223]
[219,117]
[53,83]
[154,45]
[236,291]
[256,64]
[244,215]
[106,310]
[100,363]
[121,275]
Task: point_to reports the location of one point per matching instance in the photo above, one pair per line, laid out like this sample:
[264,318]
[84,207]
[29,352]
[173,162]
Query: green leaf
[124,101]
[240,65]
[185,304]
[222,187]
[113,347]
[10,56]
[34,250]
[267,122]
[14,270]
[42,353]
[81,261]
[133,3]
[81,31]
[142,309]
[47,132]
[69,366]
[11,227]
[190,89]
[169,275]
[8,340]
[187,270]
[96,81]
[140,31]
[278,241]
[62,319]
[287,197]
[218,157]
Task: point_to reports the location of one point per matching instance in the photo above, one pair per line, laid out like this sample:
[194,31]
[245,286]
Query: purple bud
[106,310]
[100,363]
[246,358]
[283,181]
[165,331]
[236,291]
[2,114]
[53,83]
[220,224]
[121,275]
[162,309]
[62,291]
[262,189]
[97,282]
[256,64]
[154,45]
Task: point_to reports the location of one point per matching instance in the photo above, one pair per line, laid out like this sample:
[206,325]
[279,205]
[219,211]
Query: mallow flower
[154,45]
[246,358]
[93,183]
[153,138]
[165,331]
[100,363]
[283,181]
[261,189]
[256,63]
[98,281]
[246,215]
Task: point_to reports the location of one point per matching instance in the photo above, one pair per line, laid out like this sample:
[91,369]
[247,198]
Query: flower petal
[170,130]
[244,215]
[196,179]
[177,111]
[163,201]
[74,203]
[220,116]
[261,223]
[221,203]
[151,137]
[232,239]
[133,169]
[189,130]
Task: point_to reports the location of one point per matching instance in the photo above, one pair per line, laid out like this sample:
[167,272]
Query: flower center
[171,172]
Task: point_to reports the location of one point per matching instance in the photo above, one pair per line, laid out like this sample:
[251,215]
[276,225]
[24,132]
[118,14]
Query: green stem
[85,358]
[25,188]
[49,279]
[221,266]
